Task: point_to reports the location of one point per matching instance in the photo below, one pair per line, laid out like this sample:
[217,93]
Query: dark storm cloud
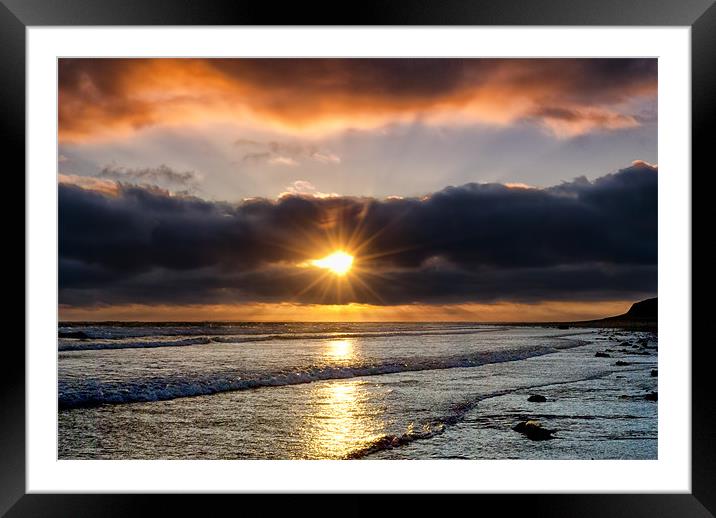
[477,242]
[92,286]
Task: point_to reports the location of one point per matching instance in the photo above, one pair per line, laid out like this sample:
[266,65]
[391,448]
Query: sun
[339,262]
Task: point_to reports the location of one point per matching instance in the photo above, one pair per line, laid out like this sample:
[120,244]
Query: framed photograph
[425,250]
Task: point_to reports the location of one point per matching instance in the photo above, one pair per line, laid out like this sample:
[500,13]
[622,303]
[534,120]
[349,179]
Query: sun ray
[317,280]
[342,237]
[368,288]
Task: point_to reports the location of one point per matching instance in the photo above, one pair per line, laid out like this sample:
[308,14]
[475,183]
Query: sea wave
[81,345]
[86,345]
[136,330]
[90,392]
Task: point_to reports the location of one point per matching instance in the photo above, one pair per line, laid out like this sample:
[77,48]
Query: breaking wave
[80,345]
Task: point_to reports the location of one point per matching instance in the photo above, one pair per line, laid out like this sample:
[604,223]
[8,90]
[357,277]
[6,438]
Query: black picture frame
[700,15]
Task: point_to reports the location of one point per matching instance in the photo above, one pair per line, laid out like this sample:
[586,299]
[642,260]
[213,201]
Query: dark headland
[642,315]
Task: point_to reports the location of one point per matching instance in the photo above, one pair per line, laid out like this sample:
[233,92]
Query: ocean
[354,391]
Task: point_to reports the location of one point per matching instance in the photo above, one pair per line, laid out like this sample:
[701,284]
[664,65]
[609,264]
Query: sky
[465,189]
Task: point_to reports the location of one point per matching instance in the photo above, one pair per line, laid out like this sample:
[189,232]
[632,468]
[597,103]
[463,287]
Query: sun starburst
[339,262]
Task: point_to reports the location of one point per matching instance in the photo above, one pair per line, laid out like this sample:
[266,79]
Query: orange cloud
[107,98]
[108,187]
[572,122]
[305,188]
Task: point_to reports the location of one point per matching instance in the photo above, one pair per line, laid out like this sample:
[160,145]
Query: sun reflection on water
[345,419]
[340,349]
